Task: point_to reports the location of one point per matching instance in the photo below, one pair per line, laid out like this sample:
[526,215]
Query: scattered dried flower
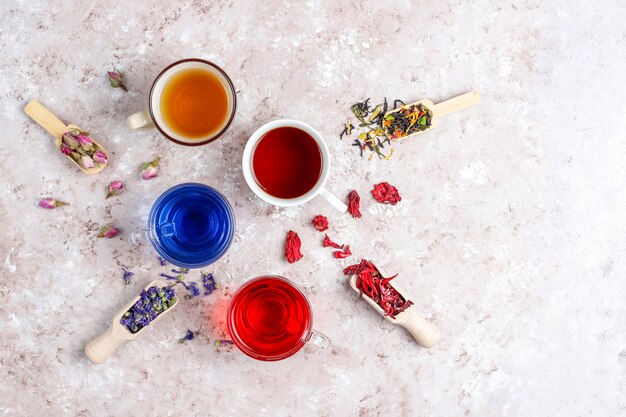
[340,254]
[86,162]
[109,231]
[127,276]
[70,140]
[116,80]
[149,170]
[354,202]
[100,157]
[224,342]
[115,188]
[50,203]
[327,243]
[162,261]
[292,247]
[386,193]
[186,337]
[66,150]
[208,282]
[320,223]
[86,143]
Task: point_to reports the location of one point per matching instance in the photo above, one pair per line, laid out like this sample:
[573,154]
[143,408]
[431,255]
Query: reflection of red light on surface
[214,317]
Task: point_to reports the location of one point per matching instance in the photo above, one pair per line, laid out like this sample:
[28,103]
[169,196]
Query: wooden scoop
[424,332]
[103,346]
[441,109]
[57,128]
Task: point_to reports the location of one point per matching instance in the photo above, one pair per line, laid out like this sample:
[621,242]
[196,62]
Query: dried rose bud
[116,80]
[50,203]
[86,162]
[85,142]
[66,150]
[76,156]
[150,170]
[109,231]
[100,157]
[70,140]
[115,188]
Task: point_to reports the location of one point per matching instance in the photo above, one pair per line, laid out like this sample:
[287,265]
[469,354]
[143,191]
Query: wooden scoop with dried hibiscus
[391,302]
[154,301]
[70,140]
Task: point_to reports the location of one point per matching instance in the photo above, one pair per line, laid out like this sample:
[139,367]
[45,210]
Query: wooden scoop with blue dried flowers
[70,140]
[154,301]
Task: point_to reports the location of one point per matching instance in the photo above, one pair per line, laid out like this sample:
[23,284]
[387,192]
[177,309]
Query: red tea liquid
[269,318]
[287,162]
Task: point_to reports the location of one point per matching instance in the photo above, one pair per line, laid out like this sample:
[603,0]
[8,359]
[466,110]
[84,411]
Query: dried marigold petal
[327,243]
[320,223]
[386,193]
[292,247]
[354,202]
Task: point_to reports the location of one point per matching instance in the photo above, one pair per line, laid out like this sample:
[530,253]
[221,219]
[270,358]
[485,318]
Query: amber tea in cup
[192,102]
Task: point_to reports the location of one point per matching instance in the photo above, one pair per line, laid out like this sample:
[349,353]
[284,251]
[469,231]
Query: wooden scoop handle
[103,346]
[45,118]
[424,332]
[456,103]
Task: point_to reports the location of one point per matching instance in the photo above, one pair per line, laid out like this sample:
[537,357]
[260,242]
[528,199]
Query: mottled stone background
[511,231]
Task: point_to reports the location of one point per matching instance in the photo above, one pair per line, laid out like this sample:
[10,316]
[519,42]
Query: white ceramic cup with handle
[317,189]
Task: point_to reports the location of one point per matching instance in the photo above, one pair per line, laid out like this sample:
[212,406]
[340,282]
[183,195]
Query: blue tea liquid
[191,225]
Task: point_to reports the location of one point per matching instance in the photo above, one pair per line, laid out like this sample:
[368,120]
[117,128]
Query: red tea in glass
[269,318]
[287,162]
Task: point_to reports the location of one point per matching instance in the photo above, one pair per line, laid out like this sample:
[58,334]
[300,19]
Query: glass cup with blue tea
[191,225]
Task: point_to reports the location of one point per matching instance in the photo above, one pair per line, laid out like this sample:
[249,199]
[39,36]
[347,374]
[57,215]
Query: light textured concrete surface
[511,231]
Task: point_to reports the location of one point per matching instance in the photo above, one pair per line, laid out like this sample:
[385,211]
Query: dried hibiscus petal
[292,247]
[327,243]
[354,202]
[340,254]
[320,223]
[371,283]
[386,193]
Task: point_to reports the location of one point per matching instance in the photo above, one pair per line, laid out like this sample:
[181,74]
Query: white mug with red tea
[286,163]
[192,102]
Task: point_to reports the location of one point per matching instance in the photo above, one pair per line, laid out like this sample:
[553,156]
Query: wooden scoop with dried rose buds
[70,140]
[391,302]
[156,300]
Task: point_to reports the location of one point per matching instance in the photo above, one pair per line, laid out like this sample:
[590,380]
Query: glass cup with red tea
[269,319]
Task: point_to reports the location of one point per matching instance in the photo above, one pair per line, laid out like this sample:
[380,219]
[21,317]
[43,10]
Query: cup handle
[138,237]
[140,120]
[334,201]
[319,339]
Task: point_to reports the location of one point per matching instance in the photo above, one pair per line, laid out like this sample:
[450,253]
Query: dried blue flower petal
[181,270]
[193,289]
[127,276]
[224,342]
[208,282]
[162,261]
[188,336]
